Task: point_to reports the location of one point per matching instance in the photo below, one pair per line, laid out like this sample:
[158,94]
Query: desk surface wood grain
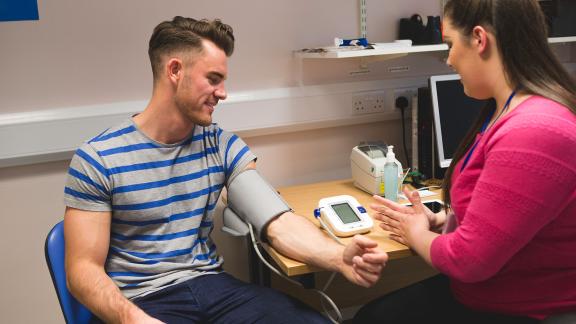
[304,199]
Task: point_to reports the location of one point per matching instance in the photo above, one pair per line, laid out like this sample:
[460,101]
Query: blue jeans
[221,298]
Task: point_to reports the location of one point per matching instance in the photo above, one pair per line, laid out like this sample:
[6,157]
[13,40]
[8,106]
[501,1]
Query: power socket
[408,93]
[368,103]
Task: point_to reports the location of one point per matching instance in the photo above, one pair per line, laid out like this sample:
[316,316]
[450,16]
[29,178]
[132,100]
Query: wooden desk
[304,199]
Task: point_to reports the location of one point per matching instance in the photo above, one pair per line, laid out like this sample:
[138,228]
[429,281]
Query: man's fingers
[365,278]
[364,242]
[376,256]
[366,266]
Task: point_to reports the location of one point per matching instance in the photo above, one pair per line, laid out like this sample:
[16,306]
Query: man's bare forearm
[87,243]
[94,289]
[297,238]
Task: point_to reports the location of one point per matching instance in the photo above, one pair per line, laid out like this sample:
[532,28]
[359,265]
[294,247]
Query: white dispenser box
[367,164]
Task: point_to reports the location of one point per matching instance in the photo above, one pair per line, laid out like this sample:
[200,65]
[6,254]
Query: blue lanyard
[484,126]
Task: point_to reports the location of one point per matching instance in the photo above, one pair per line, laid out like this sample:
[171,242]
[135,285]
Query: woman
[508,250]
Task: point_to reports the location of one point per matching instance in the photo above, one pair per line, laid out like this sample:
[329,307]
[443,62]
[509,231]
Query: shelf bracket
[363,14]
[299,69]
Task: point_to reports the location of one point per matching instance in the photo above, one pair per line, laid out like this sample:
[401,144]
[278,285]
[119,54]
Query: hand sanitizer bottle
[391,175]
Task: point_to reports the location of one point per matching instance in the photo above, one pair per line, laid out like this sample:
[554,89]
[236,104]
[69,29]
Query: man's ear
[480,39]
[174,70]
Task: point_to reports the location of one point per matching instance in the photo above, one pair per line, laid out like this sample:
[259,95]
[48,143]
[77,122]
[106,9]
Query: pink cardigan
[514,250]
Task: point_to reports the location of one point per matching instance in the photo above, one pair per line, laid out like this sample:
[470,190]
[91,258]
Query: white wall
[84,65]
[91,53]
[83,52]
[30,204]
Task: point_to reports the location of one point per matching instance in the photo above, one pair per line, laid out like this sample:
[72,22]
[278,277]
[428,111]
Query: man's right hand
[363,261]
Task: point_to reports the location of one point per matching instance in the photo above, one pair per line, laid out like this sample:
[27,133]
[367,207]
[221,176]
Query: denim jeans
[220,298]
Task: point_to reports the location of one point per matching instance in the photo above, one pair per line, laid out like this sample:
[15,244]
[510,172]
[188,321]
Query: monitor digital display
[345,213]
[454,113]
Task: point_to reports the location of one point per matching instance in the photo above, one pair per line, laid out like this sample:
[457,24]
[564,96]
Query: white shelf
[396,51]
[374,52]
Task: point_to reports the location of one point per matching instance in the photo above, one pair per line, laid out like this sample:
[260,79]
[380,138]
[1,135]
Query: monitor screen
[454,114]
[345,213]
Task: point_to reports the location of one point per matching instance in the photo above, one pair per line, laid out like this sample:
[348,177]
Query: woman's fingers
[414,198]
[390,228]
[390,213]
[390,222]
[386,227]
[398,238]
[390,204]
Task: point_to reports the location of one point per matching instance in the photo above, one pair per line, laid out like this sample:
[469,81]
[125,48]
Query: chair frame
[54,251]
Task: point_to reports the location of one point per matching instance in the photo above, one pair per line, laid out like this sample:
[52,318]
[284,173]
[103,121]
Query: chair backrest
[74,312]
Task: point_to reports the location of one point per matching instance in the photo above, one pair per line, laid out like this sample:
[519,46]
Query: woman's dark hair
[520,30]
[183,33]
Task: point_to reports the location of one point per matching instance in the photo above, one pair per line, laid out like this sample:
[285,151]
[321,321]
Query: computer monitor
[454,113]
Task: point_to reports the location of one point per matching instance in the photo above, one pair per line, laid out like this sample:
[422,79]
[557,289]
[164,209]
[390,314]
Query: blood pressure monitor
[344,215]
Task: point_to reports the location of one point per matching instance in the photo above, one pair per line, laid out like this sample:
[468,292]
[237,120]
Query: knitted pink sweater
[514,250]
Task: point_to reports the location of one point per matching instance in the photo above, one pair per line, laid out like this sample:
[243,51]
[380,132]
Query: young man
[140,203]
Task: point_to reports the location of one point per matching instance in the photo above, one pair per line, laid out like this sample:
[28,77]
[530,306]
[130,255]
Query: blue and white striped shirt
[162,198]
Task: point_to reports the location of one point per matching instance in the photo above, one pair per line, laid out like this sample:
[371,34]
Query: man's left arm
[361,261]
[296,237]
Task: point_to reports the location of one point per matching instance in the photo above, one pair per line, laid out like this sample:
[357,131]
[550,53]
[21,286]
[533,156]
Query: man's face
[202,84]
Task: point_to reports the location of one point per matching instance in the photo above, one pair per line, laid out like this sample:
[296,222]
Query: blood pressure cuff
[255,201]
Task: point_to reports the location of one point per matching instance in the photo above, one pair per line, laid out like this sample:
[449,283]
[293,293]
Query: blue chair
[74,312]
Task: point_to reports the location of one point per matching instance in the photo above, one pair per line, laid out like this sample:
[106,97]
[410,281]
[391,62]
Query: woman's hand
[405,223]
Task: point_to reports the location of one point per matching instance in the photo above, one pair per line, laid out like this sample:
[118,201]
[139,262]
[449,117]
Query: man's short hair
[186,34]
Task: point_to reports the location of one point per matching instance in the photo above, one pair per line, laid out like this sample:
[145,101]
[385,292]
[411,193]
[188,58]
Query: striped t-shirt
[162,198]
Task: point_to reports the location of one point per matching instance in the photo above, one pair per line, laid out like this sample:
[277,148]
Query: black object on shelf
[413,28]
[560,17]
